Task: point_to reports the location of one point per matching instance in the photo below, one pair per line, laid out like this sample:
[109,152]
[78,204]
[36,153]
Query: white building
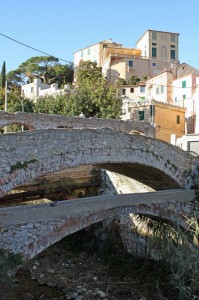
[131,94]
[183,90]
[196,105]
[38,89]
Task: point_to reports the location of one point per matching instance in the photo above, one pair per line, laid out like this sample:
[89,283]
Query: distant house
[38,89]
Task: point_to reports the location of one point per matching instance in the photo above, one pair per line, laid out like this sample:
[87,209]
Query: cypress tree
[3,75]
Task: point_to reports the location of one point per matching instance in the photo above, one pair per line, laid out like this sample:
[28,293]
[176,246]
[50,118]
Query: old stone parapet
[46,121]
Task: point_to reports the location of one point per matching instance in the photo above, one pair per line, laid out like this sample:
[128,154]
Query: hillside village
[166,95]
[113,214]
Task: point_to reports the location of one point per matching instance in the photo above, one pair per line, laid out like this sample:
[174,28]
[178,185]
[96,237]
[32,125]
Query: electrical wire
[32,47]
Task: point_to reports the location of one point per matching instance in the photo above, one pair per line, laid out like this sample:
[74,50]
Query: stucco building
[37,89]
[155,51]
[168,119]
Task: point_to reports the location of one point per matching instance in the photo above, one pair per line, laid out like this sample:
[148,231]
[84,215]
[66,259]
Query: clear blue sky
[63,27]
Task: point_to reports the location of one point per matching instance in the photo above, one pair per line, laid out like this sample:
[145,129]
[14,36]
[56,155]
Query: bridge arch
[31,154]
[31,229]
[79,222]
[46,121]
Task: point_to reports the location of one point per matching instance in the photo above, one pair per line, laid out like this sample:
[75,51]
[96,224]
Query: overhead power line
[25,45]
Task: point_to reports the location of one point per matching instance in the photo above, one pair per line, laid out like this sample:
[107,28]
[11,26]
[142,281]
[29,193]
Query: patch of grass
[179,249]
[8,261]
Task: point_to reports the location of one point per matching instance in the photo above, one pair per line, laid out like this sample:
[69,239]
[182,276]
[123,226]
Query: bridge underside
[149,176]
[86,180]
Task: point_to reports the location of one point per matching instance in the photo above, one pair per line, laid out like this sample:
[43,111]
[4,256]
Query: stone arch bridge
[45,121]
[30,229]
[28,155]
[31,154]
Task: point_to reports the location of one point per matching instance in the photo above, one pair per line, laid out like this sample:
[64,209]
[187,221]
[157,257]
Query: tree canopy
[3,76]
[47,68]
[133,80]
[92,96]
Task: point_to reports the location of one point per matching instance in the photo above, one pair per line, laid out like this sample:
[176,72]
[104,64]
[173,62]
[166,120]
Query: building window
[178,119]
[131,90]
[142,89]
[173,37]
[184,97]
[89,51]
[154,64]
[154,52]
[162,88]
[153,35]
[173,46]
[154,44]
[184,84]
[123,92]
[32,90]
[82,53]
[141,115]
[173,54]
[176,99]
[157,90]
[130,63]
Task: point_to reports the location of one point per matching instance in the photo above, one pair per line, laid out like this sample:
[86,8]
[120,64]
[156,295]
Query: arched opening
[15,127]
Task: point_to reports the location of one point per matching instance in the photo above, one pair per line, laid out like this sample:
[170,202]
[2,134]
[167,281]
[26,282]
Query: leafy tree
[2,98]
[133,80]
[50,104]
[93,96]
[47,68]
[121,81]
[3,75]
[38,67]
[18,103]
[61,74]
[15,78]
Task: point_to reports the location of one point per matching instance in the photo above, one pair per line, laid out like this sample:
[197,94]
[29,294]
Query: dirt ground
[76,273]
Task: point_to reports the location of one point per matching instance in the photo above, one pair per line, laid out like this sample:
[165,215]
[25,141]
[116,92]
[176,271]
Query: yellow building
[168,119]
